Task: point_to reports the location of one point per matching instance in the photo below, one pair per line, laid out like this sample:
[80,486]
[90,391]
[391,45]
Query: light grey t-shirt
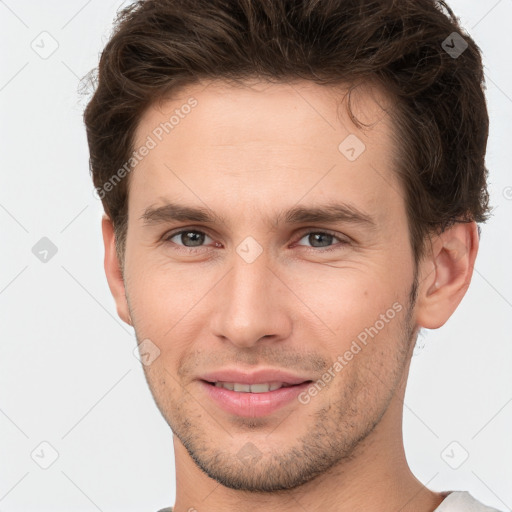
[456,501]
[462,501]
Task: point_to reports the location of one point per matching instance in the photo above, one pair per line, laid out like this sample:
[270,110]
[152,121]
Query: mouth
[253,400]
[263,387]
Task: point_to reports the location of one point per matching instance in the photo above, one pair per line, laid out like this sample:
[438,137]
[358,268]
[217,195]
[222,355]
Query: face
[298,270]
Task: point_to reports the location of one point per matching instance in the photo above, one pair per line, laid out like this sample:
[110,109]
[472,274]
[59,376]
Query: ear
[445,274]
[113,270]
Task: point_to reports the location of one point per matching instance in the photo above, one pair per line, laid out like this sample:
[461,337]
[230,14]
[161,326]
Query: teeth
[251,388]
[259,388]
[246,388]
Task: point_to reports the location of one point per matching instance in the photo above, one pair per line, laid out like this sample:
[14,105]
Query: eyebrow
[327,213]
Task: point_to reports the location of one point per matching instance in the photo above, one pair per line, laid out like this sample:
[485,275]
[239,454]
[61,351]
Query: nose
[252,303]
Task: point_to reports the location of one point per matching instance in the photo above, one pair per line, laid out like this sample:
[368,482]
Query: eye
[192,240]
[187,238]
[323,239]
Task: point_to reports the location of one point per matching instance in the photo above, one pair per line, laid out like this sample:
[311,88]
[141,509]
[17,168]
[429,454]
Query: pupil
[318,237]
[194,237]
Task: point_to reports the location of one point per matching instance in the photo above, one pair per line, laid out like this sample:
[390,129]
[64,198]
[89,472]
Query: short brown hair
[440,111]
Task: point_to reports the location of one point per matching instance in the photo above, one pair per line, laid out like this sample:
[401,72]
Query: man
[292,191]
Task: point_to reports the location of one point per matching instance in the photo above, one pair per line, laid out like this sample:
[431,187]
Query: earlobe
[113,270]
[446,274]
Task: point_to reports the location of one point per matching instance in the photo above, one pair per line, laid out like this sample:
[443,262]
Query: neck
[376,478]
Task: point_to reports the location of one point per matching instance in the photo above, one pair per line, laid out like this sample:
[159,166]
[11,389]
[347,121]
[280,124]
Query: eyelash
[193,250]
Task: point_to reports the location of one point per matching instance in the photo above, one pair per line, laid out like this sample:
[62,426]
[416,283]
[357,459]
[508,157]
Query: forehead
[254,142]
[273,114]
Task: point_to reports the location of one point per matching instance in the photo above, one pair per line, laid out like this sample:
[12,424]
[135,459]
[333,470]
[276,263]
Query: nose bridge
[248,305]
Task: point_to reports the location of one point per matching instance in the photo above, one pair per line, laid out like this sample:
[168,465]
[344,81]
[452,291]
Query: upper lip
[260,376]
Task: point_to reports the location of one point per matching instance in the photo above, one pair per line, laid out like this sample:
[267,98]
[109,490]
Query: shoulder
[462,501]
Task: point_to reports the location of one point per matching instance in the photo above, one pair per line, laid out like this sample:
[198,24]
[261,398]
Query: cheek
[167,392]
[345,301]
[338,301]
[162,294]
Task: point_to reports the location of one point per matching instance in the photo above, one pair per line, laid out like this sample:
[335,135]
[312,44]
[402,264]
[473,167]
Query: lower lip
[251,405]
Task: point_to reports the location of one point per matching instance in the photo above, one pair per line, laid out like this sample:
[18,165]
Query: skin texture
[248,153]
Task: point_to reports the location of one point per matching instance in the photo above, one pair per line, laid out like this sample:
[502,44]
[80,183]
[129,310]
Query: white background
[68,375]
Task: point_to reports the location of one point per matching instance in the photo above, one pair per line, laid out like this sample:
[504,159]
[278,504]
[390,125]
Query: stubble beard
[337,430]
